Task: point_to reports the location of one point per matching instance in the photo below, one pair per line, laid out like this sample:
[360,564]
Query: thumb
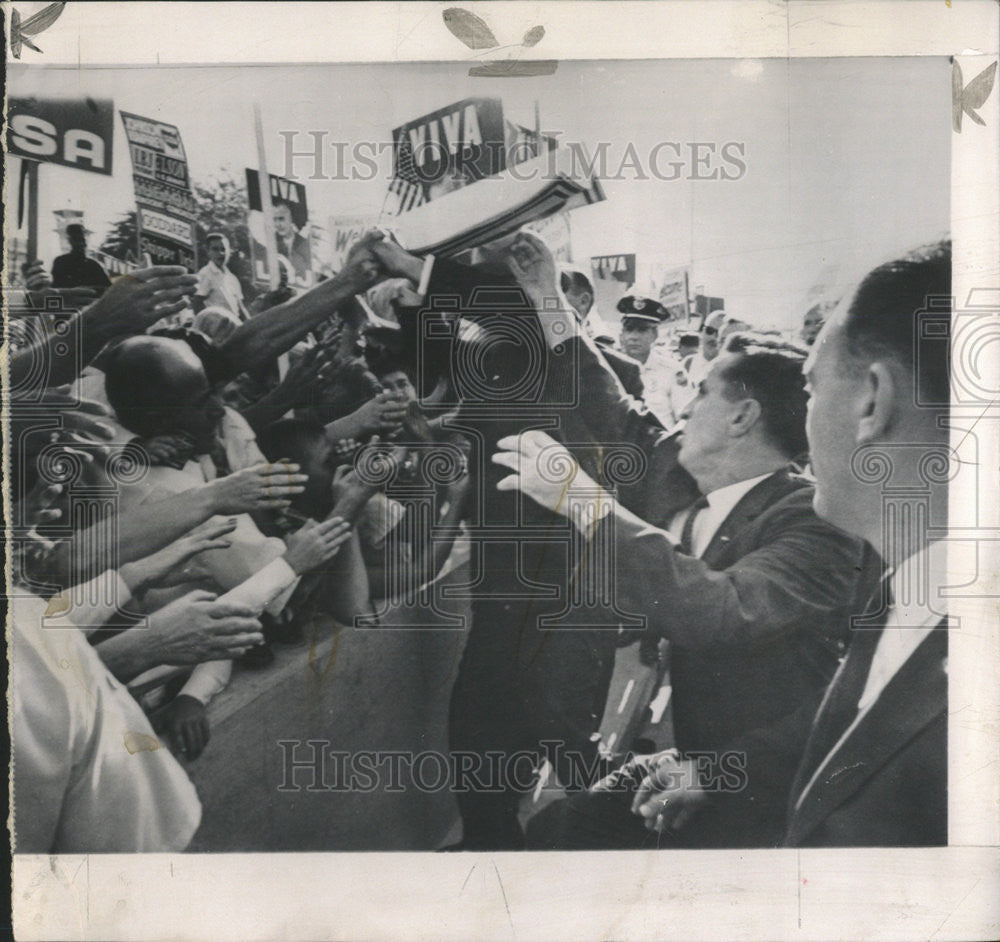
[509,483]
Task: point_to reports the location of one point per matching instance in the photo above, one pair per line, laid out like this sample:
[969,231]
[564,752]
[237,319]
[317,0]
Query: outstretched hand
[139,299]
[545,471]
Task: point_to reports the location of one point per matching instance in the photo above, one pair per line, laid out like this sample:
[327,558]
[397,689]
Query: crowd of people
[192,475]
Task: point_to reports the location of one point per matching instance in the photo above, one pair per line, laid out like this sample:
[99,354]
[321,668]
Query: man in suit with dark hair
[580,294]
[875,770]
[752,590]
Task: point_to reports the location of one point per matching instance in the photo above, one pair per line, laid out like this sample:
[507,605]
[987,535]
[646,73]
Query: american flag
[406,186]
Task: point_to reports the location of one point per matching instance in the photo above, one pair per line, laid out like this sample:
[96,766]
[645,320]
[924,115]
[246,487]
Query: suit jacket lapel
[916,695]
[750,506]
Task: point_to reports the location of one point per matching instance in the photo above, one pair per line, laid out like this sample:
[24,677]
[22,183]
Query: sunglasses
[710,332]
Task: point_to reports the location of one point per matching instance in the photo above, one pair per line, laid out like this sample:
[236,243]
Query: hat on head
[636,307]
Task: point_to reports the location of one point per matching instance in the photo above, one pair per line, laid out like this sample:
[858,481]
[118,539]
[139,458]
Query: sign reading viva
[465,139]
[77,132]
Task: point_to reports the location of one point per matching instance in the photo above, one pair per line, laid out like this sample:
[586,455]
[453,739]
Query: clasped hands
[668,789]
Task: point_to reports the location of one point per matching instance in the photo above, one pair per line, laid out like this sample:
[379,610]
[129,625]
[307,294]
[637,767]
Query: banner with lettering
[74,132]
[166,209]
[446,150]
[344,232]
[290,215]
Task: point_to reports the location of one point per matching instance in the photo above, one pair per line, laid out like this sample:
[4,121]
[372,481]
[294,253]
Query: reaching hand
[172,451]
[185,721]
[262,487]
[362,267]
[670,794]
[138,300]
[394,260]
[166,567]
[383,414]
[316,543]
[548,473]
[197,627]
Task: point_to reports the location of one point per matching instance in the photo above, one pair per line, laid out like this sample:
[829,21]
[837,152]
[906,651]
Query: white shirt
[89,774]
[220,288]
[908,623]
[720,505]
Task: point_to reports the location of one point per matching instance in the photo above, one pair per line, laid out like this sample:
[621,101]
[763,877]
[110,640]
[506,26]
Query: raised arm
[278,329]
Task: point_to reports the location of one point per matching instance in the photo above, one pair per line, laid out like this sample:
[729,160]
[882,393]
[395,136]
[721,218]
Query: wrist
[134,575]
[588,512]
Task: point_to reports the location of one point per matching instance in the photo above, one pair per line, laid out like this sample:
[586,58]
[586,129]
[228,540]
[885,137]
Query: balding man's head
[157,385]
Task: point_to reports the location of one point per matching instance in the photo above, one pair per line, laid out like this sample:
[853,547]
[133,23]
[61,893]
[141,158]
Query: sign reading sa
[74,132]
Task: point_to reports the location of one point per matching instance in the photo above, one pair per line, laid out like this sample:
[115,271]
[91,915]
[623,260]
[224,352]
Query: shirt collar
[916,586]
[730,495]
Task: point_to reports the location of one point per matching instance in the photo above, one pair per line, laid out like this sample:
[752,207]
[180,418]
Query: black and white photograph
[561,455]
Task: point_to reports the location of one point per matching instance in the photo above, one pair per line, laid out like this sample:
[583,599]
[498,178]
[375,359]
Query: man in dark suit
[579,292]
[752,590]
[525,677]
[875,771]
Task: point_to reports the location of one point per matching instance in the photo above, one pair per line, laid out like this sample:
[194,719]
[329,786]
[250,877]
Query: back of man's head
[144,376]
[882,320]
[770,372]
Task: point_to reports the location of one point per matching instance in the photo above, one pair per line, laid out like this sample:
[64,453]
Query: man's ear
[876,405]
[745,418]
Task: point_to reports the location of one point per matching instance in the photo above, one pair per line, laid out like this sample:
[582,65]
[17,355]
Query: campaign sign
[290,216]
[73,132]
[452,146]
[163,198]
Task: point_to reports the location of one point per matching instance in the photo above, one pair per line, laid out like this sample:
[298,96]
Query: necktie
[686,533]
[840,708]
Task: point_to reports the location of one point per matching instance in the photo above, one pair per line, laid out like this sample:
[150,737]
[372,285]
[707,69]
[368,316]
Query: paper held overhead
[497,206]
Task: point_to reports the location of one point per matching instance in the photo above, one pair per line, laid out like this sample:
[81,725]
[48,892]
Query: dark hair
[891,316]
[573,278]
[289,438]
[770,372]
[689,340]
[215,237]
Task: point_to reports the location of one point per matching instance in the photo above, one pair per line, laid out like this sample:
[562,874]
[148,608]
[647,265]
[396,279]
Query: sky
[847,160]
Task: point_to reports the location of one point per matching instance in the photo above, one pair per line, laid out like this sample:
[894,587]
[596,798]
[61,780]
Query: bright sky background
[847,159]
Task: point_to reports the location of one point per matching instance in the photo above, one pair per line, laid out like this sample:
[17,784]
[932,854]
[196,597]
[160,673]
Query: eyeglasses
[710,332]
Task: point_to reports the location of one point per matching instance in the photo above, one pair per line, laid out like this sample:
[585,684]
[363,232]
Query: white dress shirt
[720,505]
[908,623]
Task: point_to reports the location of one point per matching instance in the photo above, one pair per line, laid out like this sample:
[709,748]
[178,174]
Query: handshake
[375,257]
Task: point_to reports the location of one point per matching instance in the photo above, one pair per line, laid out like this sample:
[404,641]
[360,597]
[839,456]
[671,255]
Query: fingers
[332,527]
[213,529]
[195,597]
[225,610]
[509,483]
[507,459]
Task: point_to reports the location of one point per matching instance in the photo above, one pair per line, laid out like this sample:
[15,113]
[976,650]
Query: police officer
[641,319]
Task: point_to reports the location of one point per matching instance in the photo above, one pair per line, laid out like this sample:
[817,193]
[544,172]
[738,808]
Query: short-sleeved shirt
[220,288]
